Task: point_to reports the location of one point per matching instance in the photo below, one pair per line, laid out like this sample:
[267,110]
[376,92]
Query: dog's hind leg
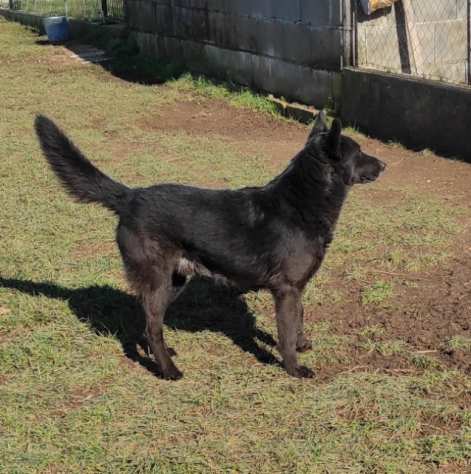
[287,301]
[150,275]
[155,304]
[302,343]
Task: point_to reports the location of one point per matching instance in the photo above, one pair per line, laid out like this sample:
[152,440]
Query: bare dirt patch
[426,318]
[251,132]
[80,397]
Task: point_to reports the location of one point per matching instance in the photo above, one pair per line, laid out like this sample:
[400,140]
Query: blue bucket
[57,28]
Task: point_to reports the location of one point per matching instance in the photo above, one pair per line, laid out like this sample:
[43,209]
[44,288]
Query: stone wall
[426,38]
[292,48]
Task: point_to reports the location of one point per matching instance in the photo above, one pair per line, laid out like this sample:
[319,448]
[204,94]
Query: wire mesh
[115,8]
[83,9]
[424,38]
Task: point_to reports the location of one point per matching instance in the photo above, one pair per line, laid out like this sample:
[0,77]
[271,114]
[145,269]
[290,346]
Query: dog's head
[345,154]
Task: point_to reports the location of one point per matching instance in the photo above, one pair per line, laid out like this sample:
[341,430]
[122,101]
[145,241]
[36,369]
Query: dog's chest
[304,259]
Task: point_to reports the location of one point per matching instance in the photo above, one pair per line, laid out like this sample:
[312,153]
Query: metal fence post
[104,8]
[468,31]
[354,33]
[126,12]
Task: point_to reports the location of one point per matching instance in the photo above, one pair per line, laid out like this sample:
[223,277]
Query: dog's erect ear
[334,138]
[320,126]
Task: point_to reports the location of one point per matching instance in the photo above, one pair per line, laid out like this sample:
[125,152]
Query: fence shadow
[203,306]
[124,60]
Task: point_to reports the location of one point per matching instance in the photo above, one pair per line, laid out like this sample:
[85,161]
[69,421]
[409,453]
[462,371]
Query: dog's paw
[172,374]
[301,372]
[304,346]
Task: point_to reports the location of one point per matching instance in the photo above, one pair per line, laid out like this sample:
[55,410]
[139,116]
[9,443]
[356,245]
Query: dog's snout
[382,165]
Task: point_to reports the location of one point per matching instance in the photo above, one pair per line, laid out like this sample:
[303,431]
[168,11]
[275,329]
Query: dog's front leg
[302,343]
[287,302]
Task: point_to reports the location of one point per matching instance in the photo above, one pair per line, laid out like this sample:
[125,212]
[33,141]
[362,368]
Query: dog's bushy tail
[80,178]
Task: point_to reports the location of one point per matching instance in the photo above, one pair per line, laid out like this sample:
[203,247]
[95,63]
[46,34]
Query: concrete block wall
[419,114]
[292,48]
[439,49]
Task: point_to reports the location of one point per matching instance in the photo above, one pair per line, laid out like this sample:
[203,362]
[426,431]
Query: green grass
[72,402]
[460,343]
[235,95]
[377,293]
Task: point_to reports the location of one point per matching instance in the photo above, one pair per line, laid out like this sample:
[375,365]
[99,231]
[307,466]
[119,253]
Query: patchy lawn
[389,313]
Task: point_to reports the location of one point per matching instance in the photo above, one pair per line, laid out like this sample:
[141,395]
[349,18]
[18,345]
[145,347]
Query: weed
[378,293]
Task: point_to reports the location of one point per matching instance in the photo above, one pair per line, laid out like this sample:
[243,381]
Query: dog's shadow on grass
[202,306]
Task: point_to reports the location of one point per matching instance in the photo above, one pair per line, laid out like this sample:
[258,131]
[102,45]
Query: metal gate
[83,9]
[422,38]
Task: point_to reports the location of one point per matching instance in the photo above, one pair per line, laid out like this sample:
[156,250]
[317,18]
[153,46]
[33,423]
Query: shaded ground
[389,313]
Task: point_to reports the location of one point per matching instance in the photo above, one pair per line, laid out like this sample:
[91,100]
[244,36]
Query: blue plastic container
[57,28]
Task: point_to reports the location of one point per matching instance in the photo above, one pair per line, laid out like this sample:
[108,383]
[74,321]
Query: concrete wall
[293,48]
[429,40]
[418,113]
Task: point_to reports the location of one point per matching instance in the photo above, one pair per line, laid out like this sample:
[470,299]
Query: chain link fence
[423,38]
[96,10]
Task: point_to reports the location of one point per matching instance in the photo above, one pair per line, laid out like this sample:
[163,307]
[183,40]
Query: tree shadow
[202,306]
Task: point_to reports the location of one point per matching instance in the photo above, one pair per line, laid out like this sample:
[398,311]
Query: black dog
[273,237]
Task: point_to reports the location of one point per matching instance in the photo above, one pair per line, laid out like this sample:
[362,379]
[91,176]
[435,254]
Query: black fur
[273,237]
